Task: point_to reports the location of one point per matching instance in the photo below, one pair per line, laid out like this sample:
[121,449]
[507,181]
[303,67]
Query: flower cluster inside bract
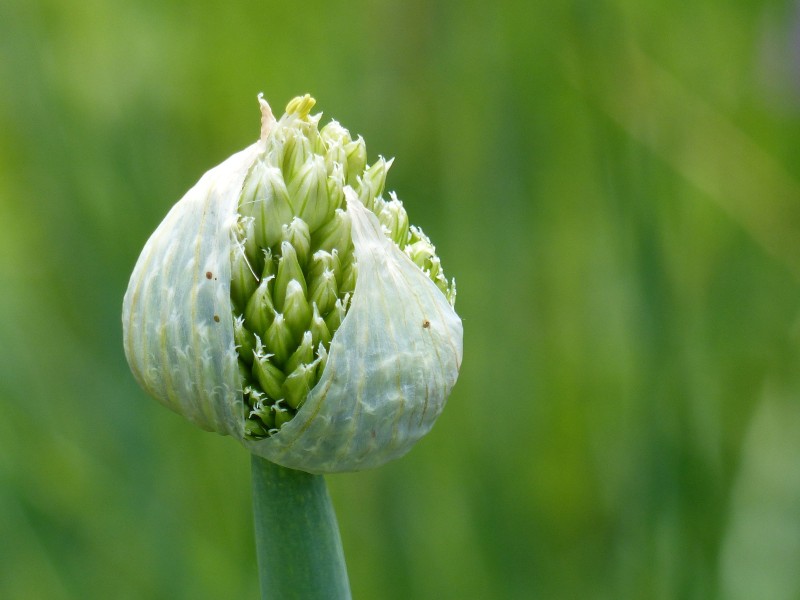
[293,268]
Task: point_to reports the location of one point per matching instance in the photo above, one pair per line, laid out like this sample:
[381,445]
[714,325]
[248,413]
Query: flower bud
[323,291]
[280,339]
[259,310]
[296,309]
[334,235]
[303,355]
[309,192]
[372,183]
[356,152]
[245,340]
[289,269]
[334,134]
[269,267]
[299,384]
[245,236]
[277,304]
[349,276]
[422,253]
[282,414]
[336,186]
[262,416]
[323,261]
[337,314]
[394,219]
[268,375]
[254,429]
[266,199]
[296,141]
[295,150]
[320,334]
[243,278]
[299,238]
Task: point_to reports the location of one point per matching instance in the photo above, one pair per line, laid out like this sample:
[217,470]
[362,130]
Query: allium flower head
[285,300]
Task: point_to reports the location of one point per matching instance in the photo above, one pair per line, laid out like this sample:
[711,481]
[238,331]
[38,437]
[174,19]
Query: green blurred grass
[614,186]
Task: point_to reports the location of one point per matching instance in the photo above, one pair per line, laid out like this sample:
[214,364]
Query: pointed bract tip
[267,118]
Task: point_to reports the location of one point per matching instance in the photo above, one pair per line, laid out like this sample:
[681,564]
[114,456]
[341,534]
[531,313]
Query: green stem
[297,539]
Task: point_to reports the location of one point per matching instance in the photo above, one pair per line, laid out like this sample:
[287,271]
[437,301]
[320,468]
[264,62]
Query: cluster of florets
[293,268]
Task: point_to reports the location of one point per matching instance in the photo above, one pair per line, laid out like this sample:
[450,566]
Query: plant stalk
[297,538]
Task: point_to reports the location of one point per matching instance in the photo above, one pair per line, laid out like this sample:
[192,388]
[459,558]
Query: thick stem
[297,538]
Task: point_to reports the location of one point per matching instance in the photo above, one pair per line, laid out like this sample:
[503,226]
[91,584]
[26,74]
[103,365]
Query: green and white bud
[323,261]
[334,234]
[278,304]
[336,316]
[259,310]
[297,140]
[394,219]
[422,252]
[298,236]
[320,334]
[289,269]
[296,308]
[336,185]
[269,267]
[262,415]
[296,152]
[270,377]
[254,428]
[309,191]
[336,158]
[299,384]
[280,339]
[349,276]
[282,414]
[356,152]
[334,134]
[324,291]
[266,199]
[245,340]
[303,355]
[243,278]
[371,184]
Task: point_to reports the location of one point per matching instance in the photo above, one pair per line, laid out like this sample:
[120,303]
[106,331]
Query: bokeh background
[614,185]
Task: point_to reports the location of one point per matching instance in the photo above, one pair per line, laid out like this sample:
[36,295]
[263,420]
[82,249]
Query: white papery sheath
[177,350]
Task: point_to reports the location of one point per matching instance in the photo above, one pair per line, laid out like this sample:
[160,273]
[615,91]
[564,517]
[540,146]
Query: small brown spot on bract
[426,324]
[216,318]
[209,274]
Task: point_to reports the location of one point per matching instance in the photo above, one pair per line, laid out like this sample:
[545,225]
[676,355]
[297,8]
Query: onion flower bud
[284,302]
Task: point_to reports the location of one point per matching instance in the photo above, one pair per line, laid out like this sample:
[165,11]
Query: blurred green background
[614,184]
